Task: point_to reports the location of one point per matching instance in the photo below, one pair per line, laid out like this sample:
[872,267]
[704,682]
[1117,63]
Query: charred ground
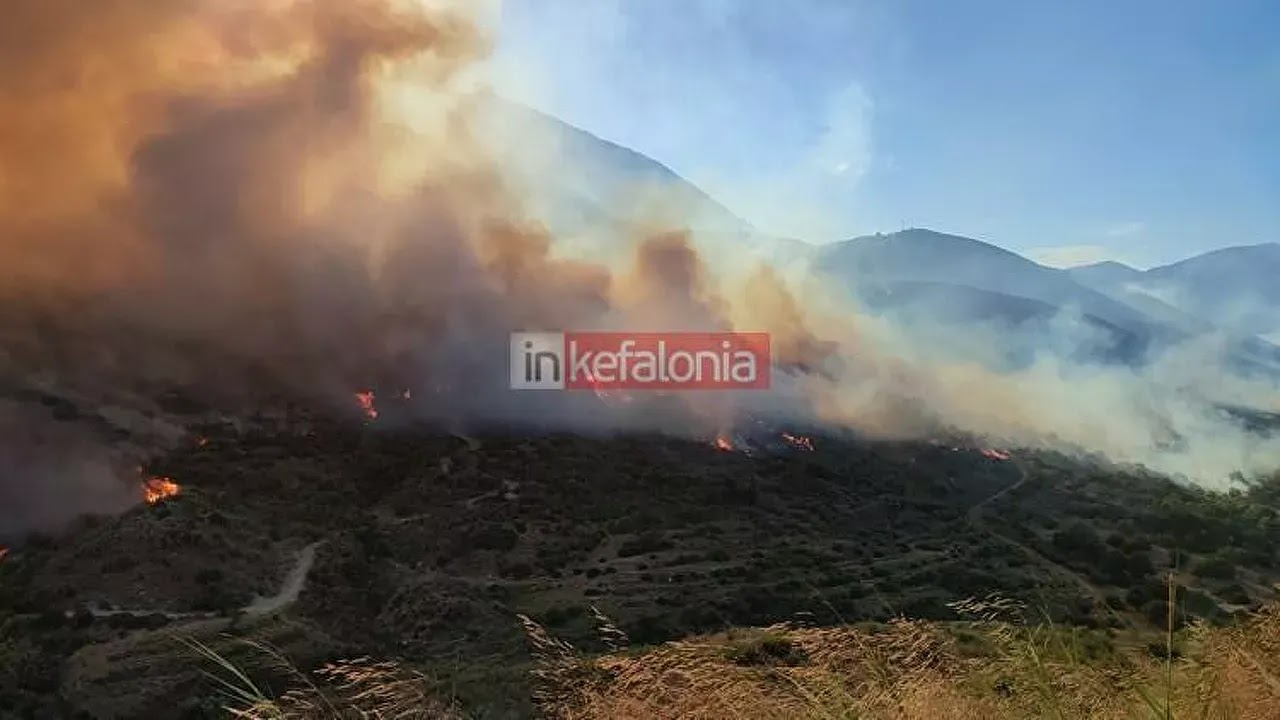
[425,545]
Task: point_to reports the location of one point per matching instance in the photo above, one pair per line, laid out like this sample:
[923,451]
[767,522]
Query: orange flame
[4,553]
[202,441]
[368,404]
[723,443]
[157,489]
[996,454]
[799,441]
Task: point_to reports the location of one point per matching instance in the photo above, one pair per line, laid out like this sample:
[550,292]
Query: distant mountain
[585,169]
[930,279]
[920,255]
[1237,288]
[1124,284]
[592,192]
[595,195]
[1107,272]
[1026,327]
[927,278]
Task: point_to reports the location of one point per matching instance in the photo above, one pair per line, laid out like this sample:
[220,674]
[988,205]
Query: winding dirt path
[292,586]
[290,589]
[296,579]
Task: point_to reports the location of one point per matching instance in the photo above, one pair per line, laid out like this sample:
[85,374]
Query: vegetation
[428,547]
[996,665]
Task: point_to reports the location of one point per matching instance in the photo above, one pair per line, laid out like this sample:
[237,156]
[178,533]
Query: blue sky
[1069,131]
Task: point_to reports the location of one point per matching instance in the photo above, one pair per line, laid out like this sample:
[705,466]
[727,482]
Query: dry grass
[913,669]
[1007,668]
[345,690]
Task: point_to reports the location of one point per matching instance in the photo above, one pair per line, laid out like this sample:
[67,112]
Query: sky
[1071,132]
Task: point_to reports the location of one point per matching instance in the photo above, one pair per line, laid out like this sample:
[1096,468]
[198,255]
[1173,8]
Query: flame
[157,489]
[202,441]
[996,454]
[368,404]
[4,553]
[723,443]
[799,441]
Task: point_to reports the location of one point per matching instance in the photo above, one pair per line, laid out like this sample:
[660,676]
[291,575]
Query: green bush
[1215,567]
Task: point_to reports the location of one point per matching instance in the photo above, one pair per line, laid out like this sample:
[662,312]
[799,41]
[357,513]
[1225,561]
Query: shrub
[1215,567]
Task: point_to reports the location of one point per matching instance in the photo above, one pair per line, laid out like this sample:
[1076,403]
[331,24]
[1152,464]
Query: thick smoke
[54,471]
[252,196]
[296,185]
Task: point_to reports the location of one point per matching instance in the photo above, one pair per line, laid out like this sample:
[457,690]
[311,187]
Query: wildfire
[799,441]
[368,404]
[202,441]
[999,455]
[724,444]
[156,489]
[4,553]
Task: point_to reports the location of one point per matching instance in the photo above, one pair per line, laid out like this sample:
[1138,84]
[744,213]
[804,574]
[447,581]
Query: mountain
[597,197]
[1107,272]
[949,281]
[1232,291]
[934,283]
[575,169]
[1237,288]
[920,255]
[1124,284]
[1026,327]
[590,192]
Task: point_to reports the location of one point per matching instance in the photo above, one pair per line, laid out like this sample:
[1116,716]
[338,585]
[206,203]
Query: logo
[639,361]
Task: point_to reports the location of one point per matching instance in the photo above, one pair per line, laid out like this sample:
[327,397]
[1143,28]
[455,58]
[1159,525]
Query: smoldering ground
[300,194]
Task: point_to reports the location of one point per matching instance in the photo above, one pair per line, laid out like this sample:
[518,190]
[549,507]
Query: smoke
[1167,415]
[210,193]
[73,471]
[281,182]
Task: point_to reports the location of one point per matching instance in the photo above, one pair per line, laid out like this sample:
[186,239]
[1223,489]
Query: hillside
[1105,273]
[426,546]
[926,256]
[1233,288]
[1129,315]
[1026,328]
[596,195]
[931,283]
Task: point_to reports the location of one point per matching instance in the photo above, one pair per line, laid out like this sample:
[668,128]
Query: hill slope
[1236,287]
[427,546]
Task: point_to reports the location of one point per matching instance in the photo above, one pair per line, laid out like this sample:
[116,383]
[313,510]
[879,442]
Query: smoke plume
[205,193]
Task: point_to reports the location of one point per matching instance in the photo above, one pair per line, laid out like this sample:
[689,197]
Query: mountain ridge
[613,185]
